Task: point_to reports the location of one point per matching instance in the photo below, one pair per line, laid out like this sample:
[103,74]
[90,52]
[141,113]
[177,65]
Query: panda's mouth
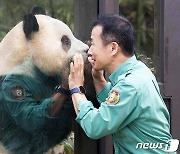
[71,60]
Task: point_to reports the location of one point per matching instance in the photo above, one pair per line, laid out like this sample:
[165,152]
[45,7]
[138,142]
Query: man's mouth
[92,58]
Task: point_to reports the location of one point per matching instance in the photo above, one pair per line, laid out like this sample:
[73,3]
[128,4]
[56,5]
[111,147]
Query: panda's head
[51,43]
[47,42]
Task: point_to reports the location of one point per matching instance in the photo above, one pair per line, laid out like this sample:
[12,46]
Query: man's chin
[96,69]
[94,66]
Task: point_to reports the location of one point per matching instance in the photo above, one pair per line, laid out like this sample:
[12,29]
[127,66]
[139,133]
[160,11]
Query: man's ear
[30,25]
[114,47]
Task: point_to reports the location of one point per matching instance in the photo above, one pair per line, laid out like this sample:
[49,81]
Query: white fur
[13,49]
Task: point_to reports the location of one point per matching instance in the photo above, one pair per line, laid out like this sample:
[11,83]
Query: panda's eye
[66,42]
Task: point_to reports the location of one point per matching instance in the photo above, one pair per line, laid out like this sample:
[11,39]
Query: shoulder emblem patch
[113,97]
[18,93]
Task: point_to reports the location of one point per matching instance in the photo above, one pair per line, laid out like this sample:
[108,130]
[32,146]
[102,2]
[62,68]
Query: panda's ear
[37,10]
[30,25]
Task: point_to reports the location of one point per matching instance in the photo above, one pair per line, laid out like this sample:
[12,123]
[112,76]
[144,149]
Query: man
[131,107]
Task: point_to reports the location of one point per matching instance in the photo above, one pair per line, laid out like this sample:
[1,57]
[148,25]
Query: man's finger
[76,63]
[81,63]
[71,68]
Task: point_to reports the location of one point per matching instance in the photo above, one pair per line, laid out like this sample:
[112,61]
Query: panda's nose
[86,51]
[88,43]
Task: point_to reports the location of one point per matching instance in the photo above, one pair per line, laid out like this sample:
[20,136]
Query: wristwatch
[60,89]
[79,89]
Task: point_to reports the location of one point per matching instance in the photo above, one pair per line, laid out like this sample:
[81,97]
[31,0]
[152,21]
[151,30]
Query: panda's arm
[20,105]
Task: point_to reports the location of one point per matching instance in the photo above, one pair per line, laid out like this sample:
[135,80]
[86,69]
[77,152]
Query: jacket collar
[123,69]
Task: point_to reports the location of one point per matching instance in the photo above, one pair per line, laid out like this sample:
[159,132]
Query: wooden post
[171,72]
[85,12]
[107,7]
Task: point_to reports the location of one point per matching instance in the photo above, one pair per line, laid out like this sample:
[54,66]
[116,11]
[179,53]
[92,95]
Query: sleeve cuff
[102,95]
[83,108]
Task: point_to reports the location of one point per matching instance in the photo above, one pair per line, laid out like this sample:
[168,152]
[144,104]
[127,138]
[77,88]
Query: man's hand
[98,75]
[76,76]
[98,78]
[76,79]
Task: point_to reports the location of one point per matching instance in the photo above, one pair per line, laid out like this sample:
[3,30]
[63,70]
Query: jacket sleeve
[109,118]
[25,111]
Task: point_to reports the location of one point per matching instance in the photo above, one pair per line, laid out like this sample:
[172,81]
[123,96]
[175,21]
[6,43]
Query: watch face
[82,89]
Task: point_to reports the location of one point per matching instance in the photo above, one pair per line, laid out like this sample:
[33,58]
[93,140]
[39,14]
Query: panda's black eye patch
[66,42]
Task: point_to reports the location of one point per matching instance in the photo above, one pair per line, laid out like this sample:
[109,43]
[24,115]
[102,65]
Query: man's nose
[89,52]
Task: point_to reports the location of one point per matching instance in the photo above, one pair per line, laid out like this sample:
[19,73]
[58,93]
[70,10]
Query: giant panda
[35,54]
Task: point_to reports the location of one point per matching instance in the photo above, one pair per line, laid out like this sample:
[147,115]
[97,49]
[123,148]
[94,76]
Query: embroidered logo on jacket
[18,92]
[113,97]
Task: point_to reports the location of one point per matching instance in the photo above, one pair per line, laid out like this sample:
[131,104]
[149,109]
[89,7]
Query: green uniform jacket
[131,109]
[24,103]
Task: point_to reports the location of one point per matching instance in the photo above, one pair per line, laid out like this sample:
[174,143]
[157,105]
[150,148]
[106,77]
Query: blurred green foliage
[141,15]
[13,11]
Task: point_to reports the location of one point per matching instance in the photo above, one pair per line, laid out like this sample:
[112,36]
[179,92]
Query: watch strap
[60,89]
[75,90]
[79,89]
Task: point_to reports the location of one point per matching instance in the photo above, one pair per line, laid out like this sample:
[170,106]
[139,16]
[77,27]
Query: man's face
[100,53]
